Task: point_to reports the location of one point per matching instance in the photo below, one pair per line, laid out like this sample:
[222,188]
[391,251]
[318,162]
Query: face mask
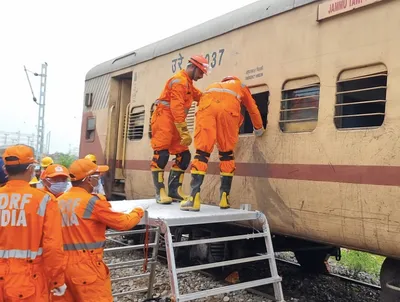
[58,187]
[96,189]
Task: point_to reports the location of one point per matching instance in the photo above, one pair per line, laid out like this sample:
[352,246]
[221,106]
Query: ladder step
[130,232]
[130,277]
[128,264]
[221,263]
[219,239]
[127,248]
[229,288]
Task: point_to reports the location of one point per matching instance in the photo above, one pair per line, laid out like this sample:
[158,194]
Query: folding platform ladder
[151,262]
[225,216]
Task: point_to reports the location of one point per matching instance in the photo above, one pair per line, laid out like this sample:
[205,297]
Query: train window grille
[361,101]
[190,117]
[136,123]
[299,108]
[90,128]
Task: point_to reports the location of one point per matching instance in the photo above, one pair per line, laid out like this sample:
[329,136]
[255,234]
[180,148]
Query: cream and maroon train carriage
[325,75]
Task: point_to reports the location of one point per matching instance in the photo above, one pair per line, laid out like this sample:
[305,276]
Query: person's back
[85,217]
[31,252]
[218,120]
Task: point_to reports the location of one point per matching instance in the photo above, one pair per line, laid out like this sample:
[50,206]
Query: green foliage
[362,262]
[65,159]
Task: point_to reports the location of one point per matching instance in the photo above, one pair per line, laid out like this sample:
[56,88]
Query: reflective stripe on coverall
[218,120]
[84,219]
[172,107]
[31,246]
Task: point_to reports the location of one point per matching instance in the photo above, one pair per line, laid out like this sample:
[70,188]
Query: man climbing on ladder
[217,121]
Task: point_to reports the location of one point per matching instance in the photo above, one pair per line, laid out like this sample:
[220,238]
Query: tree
[65,159]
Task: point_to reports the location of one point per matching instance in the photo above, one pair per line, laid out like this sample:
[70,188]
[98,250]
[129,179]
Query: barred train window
[299,105]
[361,98]
[189,118]
[136,123]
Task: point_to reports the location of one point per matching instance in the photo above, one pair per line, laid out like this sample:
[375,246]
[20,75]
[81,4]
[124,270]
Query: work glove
[182,128]
[259,132]
[59,291]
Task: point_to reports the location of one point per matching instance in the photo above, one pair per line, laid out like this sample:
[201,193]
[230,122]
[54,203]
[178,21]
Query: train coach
[325,77]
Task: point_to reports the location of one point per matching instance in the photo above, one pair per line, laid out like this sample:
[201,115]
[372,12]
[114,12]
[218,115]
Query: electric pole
[41,104]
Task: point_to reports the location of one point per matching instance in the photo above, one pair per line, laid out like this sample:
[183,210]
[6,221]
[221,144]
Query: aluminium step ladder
[174,271]
[161,218]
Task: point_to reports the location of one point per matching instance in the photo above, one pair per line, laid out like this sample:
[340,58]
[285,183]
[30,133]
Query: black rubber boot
[158,180]
[193,201]
[225,189]
[175,181]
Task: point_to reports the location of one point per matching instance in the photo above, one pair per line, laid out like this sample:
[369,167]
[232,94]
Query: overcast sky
[72,37]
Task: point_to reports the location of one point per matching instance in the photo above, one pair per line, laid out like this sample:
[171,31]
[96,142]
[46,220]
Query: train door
[120,96]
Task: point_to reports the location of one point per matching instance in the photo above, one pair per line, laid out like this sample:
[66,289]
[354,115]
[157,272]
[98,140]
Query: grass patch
[361,262]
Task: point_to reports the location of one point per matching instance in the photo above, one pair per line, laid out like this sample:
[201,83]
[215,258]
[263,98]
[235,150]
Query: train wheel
[390,280]
[313,261]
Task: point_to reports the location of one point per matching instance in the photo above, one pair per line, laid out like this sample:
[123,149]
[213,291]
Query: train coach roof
[246,15]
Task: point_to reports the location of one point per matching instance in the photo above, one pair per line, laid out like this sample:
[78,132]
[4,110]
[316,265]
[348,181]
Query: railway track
[261,291]
[348,279]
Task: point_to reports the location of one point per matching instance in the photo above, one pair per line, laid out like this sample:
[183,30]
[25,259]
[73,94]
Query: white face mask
[58,187]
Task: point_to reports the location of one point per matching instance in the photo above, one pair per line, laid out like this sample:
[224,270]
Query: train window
[136,123]
[299,105]
[88,99]
[190,117]
[361,98]
[90,128]
[261,96]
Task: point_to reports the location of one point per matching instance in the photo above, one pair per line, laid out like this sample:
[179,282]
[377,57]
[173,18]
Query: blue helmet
[3,173]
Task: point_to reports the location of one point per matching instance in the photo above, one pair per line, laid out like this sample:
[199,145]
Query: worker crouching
[217,121]
[85,217]
[170,134]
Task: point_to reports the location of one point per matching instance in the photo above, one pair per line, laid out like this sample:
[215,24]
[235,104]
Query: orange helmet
[201,63]
[230,78]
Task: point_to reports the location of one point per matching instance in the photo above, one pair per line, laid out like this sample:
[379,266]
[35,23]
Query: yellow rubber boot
[193,202]
[175,181]
[158,180]
[226,183]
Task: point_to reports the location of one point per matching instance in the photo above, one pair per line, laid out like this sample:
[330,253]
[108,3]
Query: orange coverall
[171,107]
[31,245]
[218,120]
[85,218]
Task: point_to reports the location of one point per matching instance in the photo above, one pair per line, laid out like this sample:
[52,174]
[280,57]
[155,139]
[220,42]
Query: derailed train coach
[326,172]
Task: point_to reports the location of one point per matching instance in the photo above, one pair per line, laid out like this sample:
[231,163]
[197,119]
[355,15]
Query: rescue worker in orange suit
[217,121]
[85,217]
[169,130]
[55,179]
[31,245]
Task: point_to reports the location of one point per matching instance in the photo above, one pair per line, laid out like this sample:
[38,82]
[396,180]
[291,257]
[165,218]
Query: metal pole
[42,102]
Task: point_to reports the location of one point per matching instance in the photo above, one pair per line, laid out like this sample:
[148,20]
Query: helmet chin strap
[193,71]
